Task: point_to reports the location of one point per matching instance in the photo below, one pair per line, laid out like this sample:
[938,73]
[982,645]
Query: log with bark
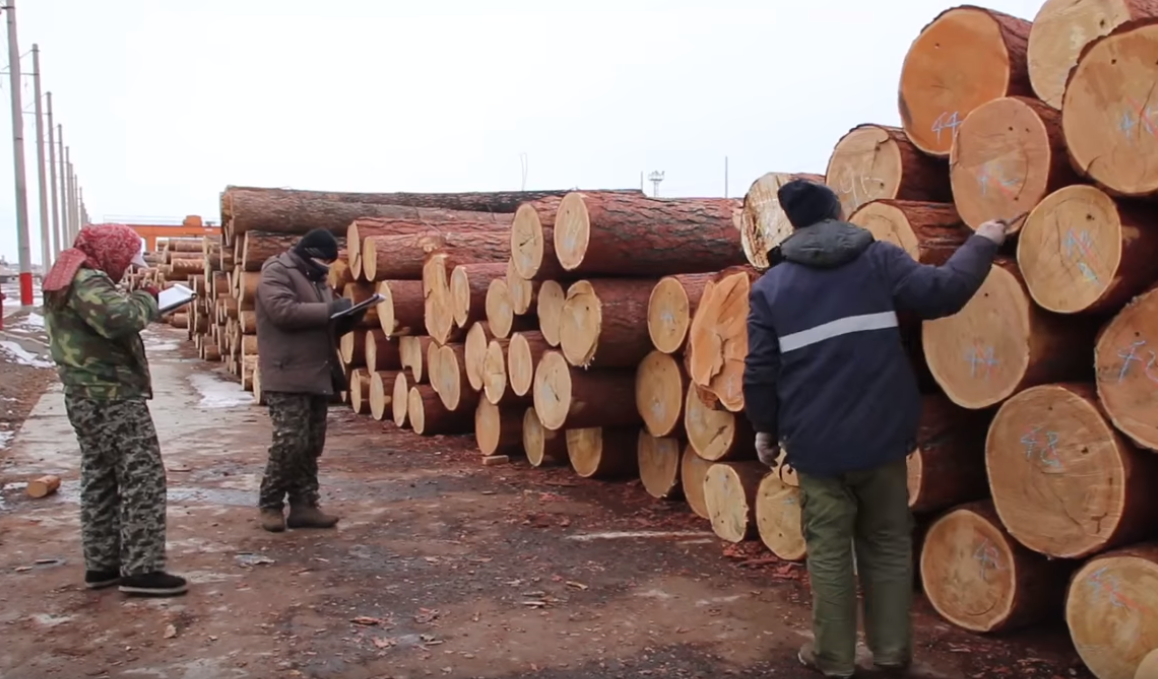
[340,274]
[445,222]
[762,222]
[660,385]
[402,307]
[532,240]
[245,283]
[544,448]
[1082,252]
[979,578]
[523,354]
[877,161]
[380,352]
[412,354]
[1109,610]
[402,257]
[382,393]
[1009,155]
[359,292]
[259,246]
[778,518]
[449,379]
[1001,343]
[603,452]
[496,387]
[429,417]
[352,349]
[693,471]
[360,391]
[929,232]
[717,434]
[600,323]
[474,353]
[1126,365]
[1108,115]
[400,400]
[550,311]
[718,337]
[438,308]
[947,468]
[1064,482]
[615,235]
[255,382]
[569,397]
[670,308]
[43,486]
[498,430]
[966,57]
[469,284]
[523,293]
[730,490]
[659,466]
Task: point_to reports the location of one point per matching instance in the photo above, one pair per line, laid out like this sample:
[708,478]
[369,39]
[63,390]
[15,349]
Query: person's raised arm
[108,310]
[276,294]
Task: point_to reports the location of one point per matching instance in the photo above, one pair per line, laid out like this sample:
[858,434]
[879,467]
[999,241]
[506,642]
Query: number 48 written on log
[946,121]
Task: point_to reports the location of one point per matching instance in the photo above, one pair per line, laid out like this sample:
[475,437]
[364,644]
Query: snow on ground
[218,393]
[20,355]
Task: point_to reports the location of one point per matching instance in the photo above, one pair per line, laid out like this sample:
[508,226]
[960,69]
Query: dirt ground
[441,567]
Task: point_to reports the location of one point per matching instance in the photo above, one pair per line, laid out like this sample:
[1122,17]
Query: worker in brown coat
[300,373]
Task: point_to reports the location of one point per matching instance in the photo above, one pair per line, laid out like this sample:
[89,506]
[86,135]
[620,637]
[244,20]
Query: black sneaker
[154,584]
[101,579]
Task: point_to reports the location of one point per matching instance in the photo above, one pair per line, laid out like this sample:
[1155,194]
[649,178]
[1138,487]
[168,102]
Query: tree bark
[469,284]
[523,353]
[659,466]
[600,323]
[545,448]
[498,431]
[603,452]
[929,232]
[717,435]
[382,393]
[947,467]
[402,311]
[763,224]
[660,385]
[877,161]
[577,399]
[429,417]
[443,222]
[259,246]
[641,237]
[778,518]
[718,337]
[1126,364]
[730,495]
[670,307]
[943,79]
[359,292]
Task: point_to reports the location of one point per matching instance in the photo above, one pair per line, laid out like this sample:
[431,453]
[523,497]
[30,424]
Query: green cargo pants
[871,510]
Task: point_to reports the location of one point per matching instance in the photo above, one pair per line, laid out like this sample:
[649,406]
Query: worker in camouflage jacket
[94,334]
[828,378]
[300,373]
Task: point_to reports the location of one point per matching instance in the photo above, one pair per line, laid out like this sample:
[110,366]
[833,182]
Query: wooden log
[43,486]
[763,224]
[430,360]
[670,307]
[980,363]
[438,308]
[360,391]
[550,311]
[660,385]
[947,468]
[412,353]
[449,379]
[577,399]
[381,393]
[380,353]
[614,235]
[929,232]
[402,257]
[872,162]
[1008,156]
[778,520]
[1126,364]
[1110,611]
[340,274]
[1064,482]
[400,400]
[495,383]
[978,578]
[469,284]
[730,496]
[693,471]
[600,323]
[1108,118]
[966,57]
[523,353]
[259,246]
[429,417]
[401,310]
[717,435]
[352,349]
[247,288]
[718,338]
[498,431]
[1081,252]
[474,354]
[533,242]
[1061,31]
[603,452]
[523,293]
[500,314]
[659,466]
[544,448]
[442,222]
[179,320]
[247,322]
[359,292]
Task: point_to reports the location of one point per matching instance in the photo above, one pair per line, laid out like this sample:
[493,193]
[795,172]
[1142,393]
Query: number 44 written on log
[946,121]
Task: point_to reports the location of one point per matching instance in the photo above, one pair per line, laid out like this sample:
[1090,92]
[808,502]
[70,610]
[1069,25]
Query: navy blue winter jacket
[826,373]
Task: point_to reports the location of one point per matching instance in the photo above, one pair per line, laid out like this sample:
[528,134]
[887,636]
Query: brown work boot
[301,516]
[273,520]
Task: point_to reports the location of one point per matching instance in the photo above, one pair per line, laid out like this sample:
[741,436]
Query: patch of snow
[5,437]
[162,346]
[217,393]
[23,357]
[34,320]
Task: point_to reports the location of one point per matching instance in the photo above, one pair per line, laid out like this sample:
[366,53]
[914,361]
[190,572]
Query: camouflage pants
[299,435]
[122,485]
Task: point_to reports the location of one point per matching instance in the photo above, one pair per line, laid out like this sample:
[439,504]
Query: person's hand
[994,230]
[767,449]
[339,305]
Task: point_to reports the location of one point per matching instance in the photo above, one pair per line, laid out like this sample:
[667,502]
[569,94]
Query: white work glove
[767,449]
[995,230]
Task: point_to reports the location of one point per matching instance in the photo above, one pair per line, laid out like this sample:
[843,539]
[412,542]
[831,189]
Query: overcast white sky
[165,103]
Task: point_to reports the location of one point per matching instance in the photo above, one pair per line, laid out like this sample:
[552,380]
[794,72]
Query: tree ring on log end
[400,401]
[494,377]
[449,378]
[474,352]
[572,231]
[581,321]
[543,447]
[520,364]
[488,425]
[378,397]
[659,466]
[865,165]
[602,452]
[660,386]
[416,410]
[1126,362]
[527,241]
[500,314]
[460,295]
[1070,249]
[552,390]
[979,355]
[888,223]
[668,315]
[520,291]
[729,493]
[778,518]
[551,299]
[693,470]
[1000,165]
[763,224]
[968,571]
[1110,611]
[385,308]
[959,62]
[1111,135]
[1057,472]
[711,433]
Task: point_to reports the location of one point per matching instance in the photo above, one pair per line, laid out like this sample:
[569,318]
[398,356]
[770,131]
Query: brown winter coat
[296,346]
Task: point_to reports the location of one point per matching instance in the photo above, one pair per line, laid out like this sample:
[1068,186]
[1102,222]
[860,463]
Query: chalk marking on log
[1108,586]
[1130,355]
[628,535]
[1084,245]
[987,555]
[978,356]
[945,121]
[848,184]
[987,177]
[1047,452]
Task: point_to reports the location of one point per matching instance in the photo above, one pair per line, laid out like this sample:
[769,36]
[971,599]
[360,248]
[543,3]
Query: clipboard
[173,298]
[366,303]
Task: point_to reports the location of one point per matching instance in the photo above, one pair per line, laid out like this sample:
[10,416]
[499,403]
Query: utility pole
[67,202]
[45,234]
[80,206]
[25,254]
[72,195]
[65,224]
[57,234]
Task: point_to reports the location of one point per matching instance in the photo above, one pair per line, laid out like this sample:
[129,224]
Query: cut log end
[474,351]
[494,373]
[778,518]
[718,338]
[550,312]
[572,231]
[603,453]
[527,241]
[730,495]
[499,311]
[660,385]
[523,354]
[544,448]
[693,470]
[552,390]
[581,322]
[43,486]
[497,431]
[929,232]
[659,466]
[400,400]
[1124,361]
[669,312]
[381,394]
[763,224]
[522,292]
[716,434]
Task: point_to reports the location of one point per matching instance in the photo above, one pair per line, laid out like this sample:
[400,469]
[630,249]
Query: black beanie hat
[318,244]
[805,203]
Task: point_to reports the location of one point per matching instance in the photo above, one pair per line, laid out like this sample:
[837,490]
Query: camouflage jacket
[96,342]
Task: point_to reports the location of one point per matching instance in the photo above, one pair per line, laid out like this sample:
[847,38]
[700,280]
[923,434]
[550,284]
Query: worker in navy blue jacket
[828,379]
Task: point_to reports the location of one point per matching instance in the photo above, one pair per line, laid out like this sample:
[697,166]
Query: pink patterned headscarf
[110,248]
